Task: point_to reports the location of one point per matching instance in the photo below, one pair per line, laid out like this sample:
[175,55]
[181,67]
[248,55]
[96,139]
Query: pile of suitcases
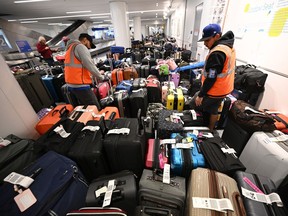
[146,152]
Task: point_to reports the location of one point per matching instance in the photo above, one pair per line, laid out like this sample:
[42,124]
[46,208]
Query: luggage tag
[194,114]
[260,197]
[109,192]
[61,131]
[91,128]
[4,142]
[124,131]
[220,205]
[25,200]
[166,174]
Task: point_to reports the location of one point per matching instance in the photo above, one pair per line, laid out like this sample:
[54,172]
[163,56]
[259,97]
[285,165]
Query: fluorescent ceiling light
[97,22]
[29,1]
[59,24]
[107,20]
[99,17]
[30,21]
[75,12]
[147,11]
[54,23]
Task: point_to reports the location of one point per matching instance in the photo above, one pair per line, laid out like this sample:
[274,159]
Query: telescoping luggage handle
[158,175]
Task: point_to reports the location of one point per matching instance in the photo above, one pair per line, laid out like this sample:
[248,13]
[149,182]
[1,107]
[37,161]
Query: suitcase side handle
[103,127]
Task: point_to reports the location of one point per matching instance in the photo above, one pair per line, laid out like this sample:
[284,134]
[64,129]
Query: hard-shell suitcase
[185,154]
[125,146]
[175,100]
[88,151]
[68,97]
[138,100]
[53,117]
[207,183]
[58,188]
[263,185]
[94,211]
[144,71]
[154,90]
[263,155]
[165,90]
[48,82]
[15,154]
[154,193]
[109,113]
[117,76]
[150,211]
[139,83]
[84,113]
[124,195]
[130,73]
[235,136]
[175,77]
[121,100]
[156,155]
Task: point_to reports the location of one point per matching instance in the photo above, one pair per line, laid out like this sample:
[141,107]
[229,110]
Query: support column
[120,23]
[137,28]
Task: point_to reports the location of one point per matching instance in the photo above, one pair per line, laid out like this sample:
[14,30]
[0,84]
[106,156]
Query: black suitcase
[35,91]
[68,97]
[265,185]
[124,195]
[125,151]
[88,151]
[138,100]
[223,110]
[235,136]
[121,100]
[16,155]
[186,55]
[151,211]
[139,83]
[144,71]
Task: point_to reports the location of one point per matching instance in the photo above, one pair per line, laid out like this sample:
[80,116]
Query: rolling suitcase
[125,85]
[175,77]
[122,102]
[88,151]
[264,155]
[185,154]
[235,136]
[124,195]
[150,211]
[144,71]
[192,118]
[117,49]
[15,154]
[213,185]
[53,117]
[48,82]
[175,100]
[138,100]
[109,113]
[281,120]
[157,154]
[58,188]
[139,83]
[68,97]
[223,110]
[153,90]
[259,184]
[84,113]
[154,193]
[92,211]
[125,146]
[117,76]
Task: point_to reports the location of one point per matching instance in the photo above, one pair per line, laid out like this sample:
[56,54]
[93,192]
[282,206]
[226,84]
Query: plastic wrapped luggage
[265,154]
[56,180]
[154,193]
[262,185]
[124,195]
[206,184]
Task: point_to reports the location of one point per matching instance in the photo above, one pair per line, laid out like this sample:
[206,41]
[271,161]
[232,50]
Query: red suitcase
[117,76]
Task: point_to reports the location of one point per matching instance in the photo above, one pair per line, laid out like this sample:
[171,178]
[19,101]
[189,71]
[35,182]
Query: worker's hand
[46,48]
[198,101]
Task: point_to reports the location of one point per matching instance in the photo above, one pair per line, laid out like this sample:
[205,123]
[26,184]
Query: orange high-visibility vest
[225,80]
[75,73]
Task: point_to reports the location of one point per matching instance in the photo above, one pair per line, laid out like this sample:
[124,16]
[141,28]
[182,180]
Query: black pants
[85,97]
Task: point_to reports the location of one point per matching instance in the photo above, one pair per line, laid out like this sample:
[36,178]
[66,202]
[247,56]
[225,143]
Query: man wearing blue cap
[218,72]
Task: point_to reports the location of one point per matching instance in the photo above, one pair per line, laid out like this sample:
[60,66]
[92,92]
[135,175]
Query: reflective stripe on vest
[225,81]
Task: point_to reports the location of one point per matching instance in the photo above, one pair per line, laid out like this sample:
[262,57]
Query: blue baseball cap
[210,31]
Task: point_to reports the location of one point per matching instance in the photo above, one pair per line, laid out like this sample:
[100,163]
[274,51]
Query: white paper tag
[83,110]
[213,204]
[98,115]
[100,191]
[185,145]
[166,174]
[167,141]
[281,138]
[4,142]
[259,197]
[207,134]
[61,131]
[195,132]
[91,128]
[124,131]
[25,200]
[18,179]
[194,115]
[108,194]
[228,150]
[177,115]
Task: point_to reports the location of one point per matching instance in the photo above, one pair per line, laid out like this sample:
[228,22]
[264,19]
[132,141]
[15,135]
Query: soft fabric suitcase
[156,155]
[15,154]
[125,146]
[154,193]
[263,185]
[138,100]
[154,90]
[124,195]
[267,157]
[281,120]
[235,136]
[175,100]
[192,118]
[121,100]
[183,158]
[109,113]
[220,156]
[88,151]
[59,137]
[153,110]
[168,124]
[84,113]
[151,211]
[125,85]
[58,187]
[94,211]
[53,117]
[207,183]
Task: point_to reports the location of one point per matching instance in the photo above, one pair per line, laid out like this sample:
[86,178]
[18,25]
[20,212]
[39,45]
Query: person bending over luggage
[45,51]
[79,68]
[218,72]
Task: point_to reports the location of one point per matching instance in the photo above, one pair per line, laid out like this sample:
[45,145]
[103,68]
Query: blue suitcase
[58,186]
[117,49]
[184,160]
[125,85]
[48,82]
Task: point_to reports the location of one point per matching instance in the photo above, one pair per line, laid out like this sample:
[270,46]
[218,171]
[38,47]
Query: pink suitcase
[84,113]
[171,63]
[175,77]
[156,155]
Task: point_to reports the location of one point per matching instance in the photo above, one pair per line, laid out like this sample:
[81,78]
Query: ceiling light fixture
[29,22]
[97,22]
[75,12]
[29,1]
[99,17]
[157,4]
[131,12]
